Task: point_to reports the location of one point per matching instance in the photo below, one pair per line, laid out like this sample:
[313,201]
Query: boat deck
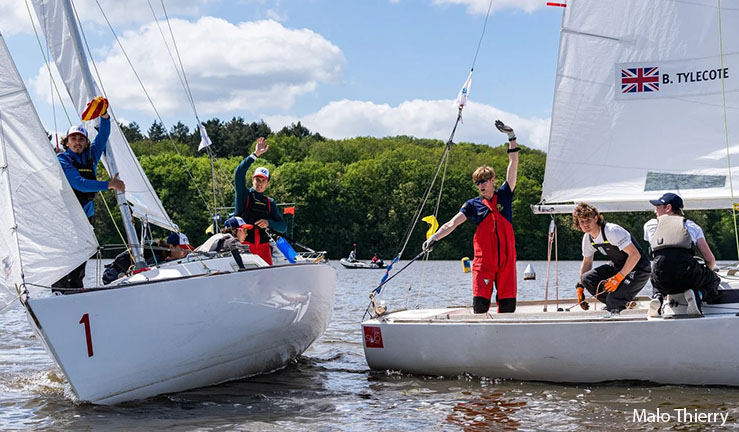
[525,311]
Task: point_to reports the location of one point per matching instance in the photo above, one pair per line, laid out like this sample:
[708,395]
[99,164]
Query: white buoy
[529,273]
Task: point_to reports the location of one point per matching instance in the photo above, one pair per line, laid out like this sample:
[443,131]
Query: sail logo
[640,79]
[675,78]
[373,337]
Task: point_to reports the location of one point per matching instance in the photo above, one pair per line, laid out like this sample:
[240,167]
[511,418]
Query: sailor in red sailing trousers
[495,248]
[495,256]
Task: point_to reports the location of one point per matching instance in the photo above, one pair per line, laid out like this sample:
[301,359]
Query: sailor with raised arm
[494,243]
[256,208]
[80,164]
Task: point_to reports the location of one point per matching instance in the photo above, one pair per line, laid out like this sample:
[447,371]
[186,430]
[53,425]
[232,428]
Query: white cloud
[418,118]
[244,66]
[481,6]
[14,18]
[14,15]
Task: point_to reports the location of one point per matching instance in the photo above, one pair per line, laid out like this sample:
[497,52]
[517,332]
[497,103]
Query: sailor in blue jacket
[80,161]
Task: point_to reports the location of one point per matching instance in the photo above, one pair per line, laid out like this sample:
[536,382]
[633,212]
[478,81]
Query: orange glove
[95,108]
[613,282]
[581,297]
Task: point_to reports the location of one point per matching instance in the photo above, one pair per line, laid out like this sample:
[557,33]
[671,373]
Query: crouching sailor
[672,240]
[617,282]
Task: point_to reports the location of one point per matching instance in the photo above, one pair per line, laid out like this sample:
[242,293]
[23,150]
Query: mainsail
[43,231]
[70,60]
[639,106]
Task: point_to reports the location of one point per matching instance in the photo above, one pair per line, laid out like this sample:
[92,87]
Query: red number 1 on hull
[86,321]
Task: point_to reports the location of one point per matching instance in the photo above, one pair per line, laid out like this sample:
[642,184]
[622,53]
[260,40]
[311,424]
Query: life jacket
[671,233]
[672,251]
[493,242]
[257,207]
[618,256]
[87,171]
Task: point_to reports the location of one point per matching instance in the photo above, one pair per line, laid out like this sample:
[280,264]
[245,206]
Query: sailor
[79,162]
[256,208]
[179,246]
[673,240]
[353,254]
[617,282]
[494,244]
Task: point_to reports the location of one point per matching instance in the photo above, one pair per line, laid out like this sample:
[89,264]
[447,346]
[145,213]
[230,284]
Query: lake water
[330,388]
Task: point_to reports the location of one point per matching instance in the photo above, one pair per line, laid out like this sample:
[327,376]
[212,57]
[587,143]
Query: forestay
[43,231]
[638,106]
[70,60]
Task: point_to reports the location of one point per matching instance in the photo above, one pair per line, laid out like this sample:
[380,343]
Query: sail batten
[639,105]
[44,232]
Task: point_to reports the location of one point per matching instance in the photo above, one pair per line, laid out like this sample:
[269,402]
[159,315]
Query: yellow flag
[209,230]
[433,225]
[736,206]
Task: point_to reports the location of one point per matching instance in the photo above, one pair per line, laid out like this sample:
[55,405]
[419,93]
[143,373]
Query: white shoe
[692,303]
[655,308]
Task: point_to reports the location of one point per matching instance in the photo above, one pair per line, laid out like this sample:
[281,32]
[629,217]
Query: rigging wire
[186,84]
[48,67]
[188,92]
[148,97]
[442,161]
[726,127]
[4,168]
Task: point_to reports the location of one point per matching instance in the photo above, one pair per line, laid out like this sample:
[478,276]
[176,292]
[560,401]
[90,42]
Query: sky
[343,68]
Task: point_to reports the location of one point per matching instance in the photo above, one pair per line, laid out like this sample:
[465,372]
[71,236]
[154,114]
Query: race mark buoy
[466,265]
[529,273]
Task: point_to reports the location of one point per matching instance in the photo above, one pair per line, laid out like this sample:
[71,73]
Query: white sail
[70,60]
[638,106]
[43,231]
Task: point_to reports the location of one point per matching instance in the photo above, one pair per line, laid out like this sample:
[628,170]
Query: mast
[91,89]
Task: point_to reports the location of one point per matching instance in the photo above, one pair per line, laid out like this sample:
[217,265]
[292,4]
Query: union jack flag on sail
[638,80]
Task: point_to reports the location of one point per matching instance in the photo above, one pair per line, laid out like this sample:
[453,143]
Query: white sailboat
[643,94]
[180,325]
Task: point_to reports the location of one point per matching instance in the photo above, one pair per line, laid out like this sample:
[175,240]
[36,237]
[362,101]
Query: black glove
[505,129]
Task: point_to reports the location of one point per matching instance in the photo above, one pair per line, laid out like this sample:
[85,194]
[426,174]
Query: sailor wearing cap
[672,241]
[79,162]
[256,208]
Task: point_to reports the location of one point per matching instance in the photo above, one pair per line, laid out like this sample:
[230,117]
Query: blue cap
[179,239]
[668,198]
[234,222]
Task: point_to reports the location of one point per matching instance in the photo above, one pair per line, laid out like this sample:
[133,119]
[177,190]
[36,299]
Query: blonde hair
[483,173]
[586,211]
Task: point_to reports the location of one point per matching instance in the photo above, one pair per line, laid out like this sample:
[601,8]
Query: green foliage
[156,132]
[362,190]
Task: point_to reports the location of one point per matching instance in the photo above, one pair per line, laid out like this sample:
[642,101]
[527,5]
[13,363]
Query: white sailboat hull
[577,347]
[172,335]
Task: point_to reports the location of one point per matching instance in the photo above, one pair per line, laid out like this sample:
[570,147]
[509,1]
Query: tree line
[360,190]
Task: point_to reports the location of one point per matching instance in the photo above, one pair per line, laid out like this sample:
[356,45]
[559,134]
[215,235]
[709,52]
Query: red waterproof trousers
[261,249]
[495,256]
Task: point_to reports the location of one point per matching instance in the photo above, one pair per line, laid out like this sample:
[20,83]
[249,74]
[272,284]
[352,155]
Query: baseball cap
[77,129]
[261,172]
[668,198]
[234,222]
[181,240]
